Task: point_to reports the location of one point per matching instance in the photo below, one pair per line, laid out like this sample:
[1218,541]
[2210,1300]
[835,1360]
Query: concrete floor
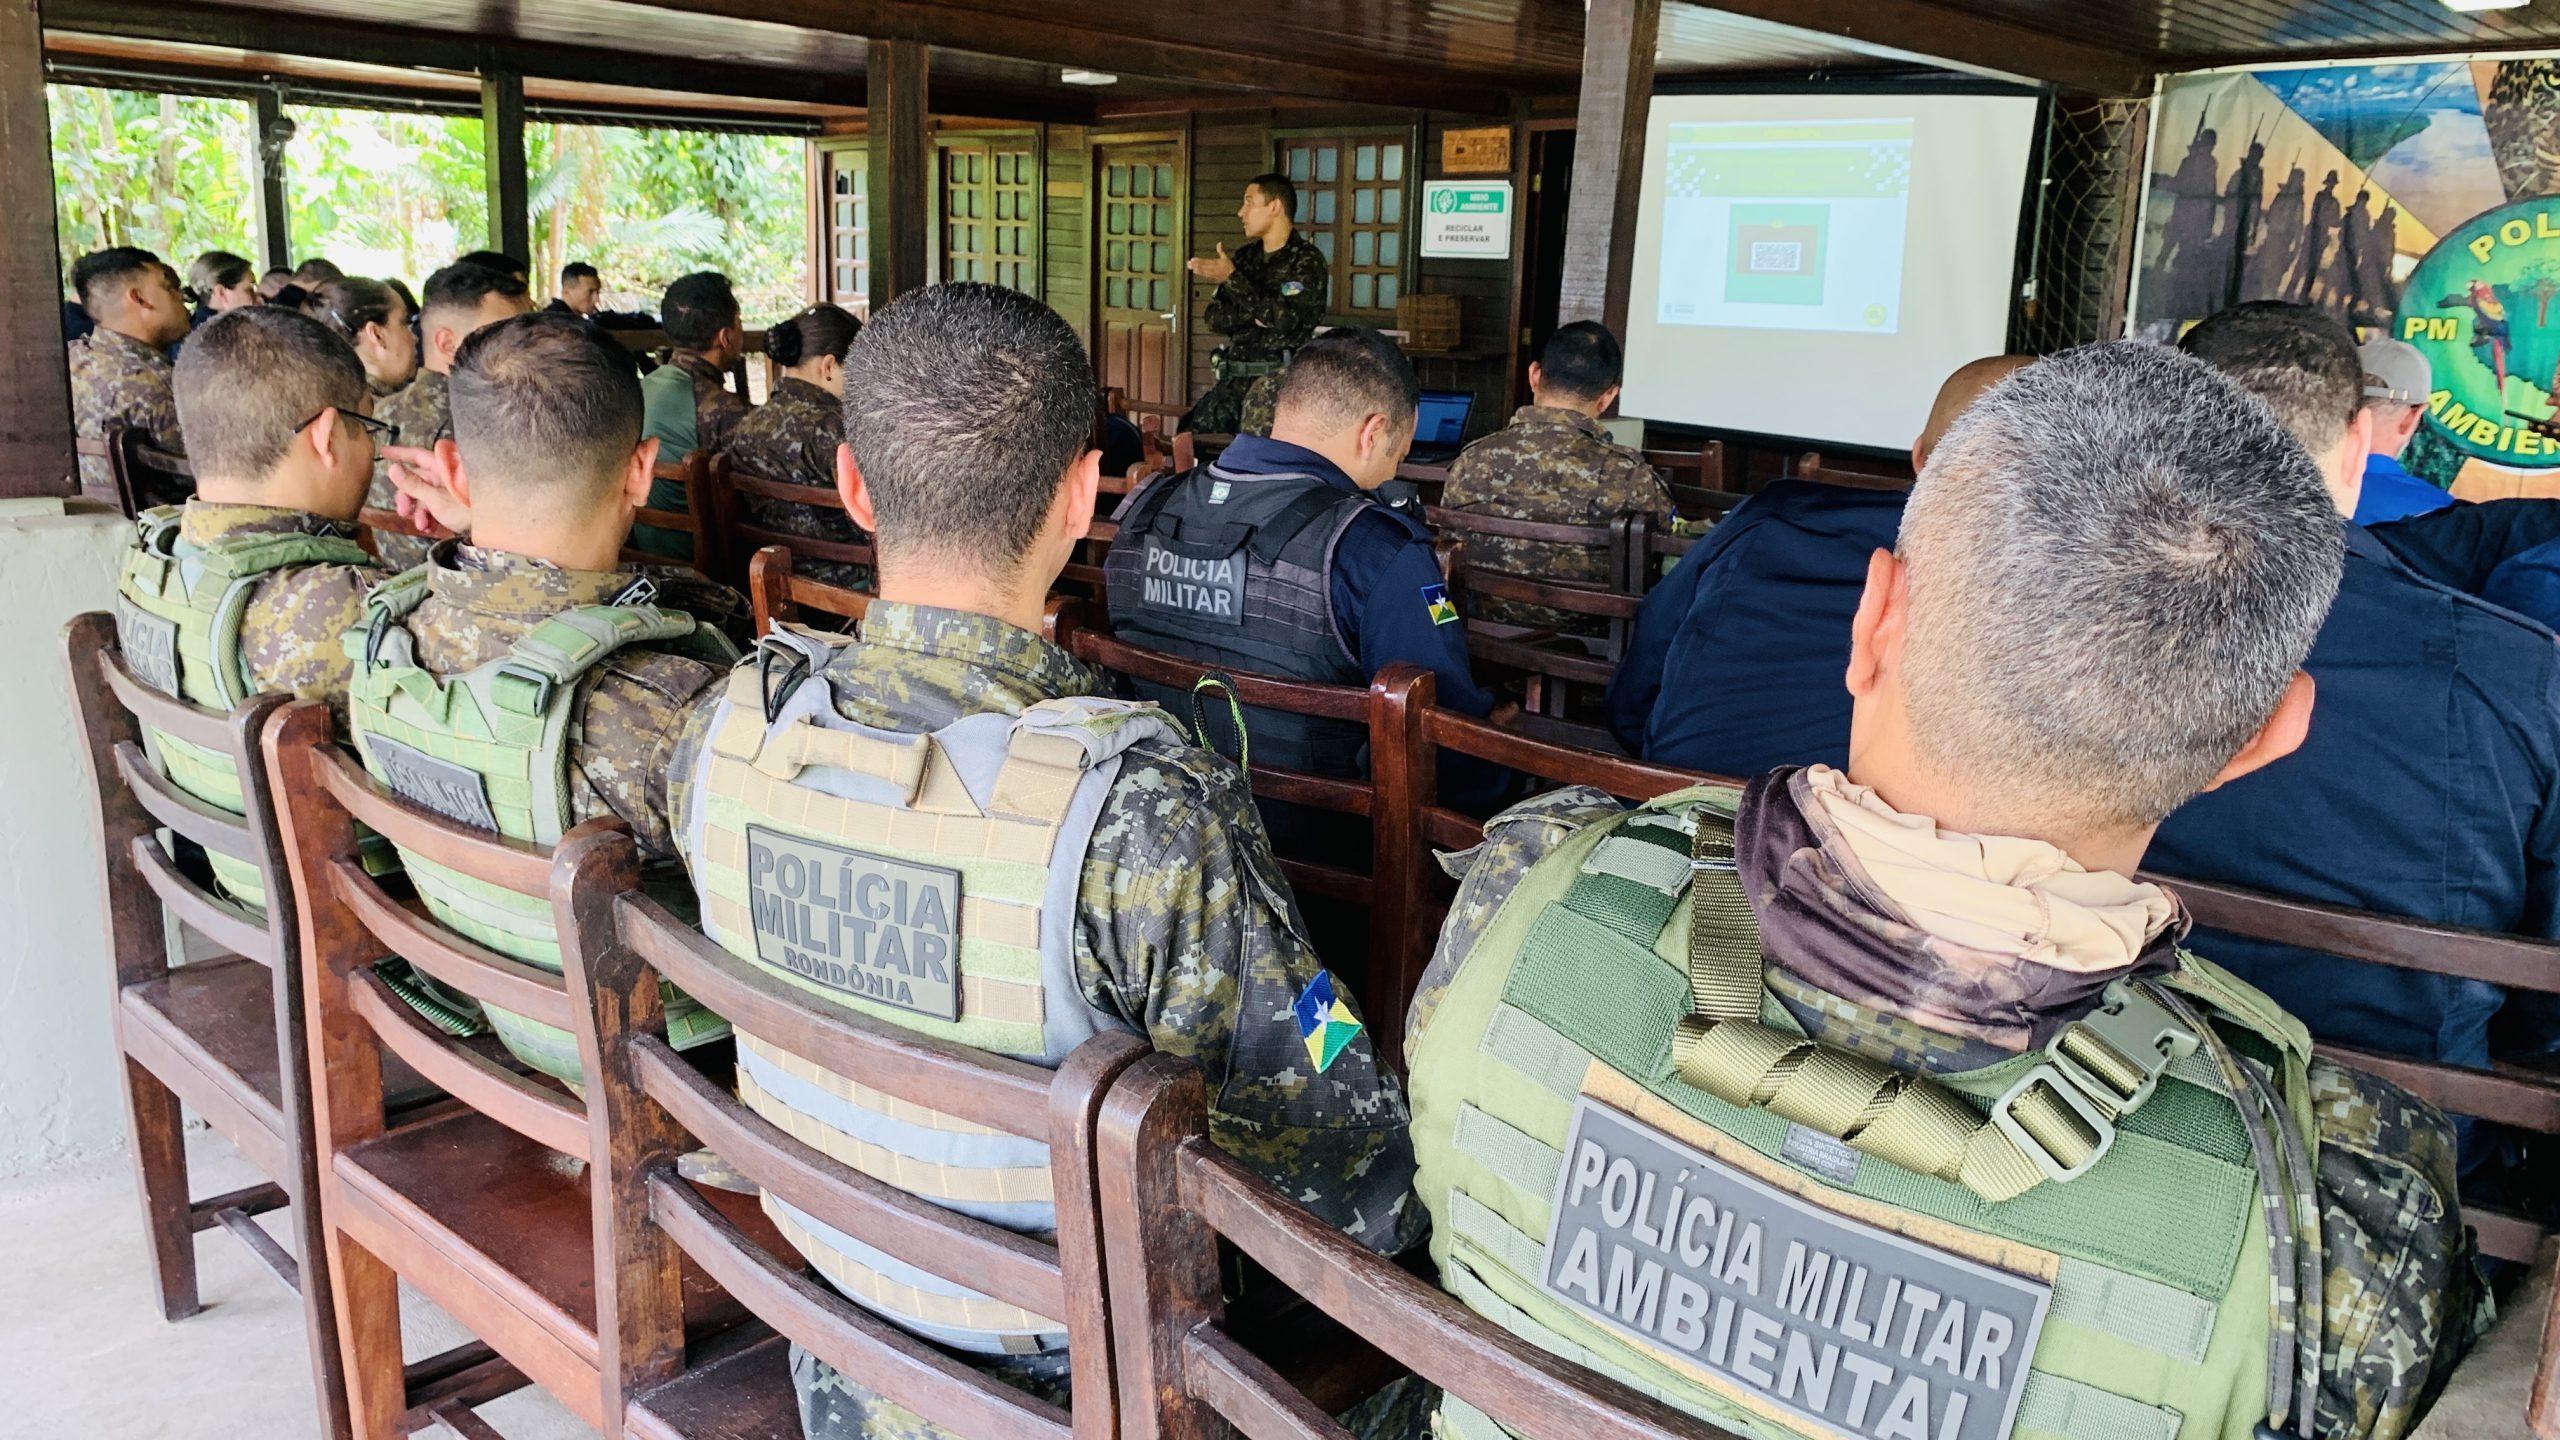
[91,1359]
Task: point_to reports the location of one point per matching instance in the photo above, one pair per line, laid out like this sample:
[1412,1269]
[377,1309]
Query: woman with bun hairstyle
[372,317]
[792,437]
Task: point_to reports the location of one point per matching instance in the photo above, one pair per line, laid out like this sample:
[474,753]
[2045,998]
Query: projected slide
[1785,225]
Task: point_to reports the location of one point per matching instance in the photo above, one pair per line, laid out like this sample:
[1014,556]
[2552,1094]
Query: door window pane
[1324,242]
[1324,207]
[1393,168]
[1298,163]
[1328,164]
[1115,180]
[1164,181]
[1390,247]
[1364,163]
[1115,293]
[1364,246]
[1164,219]
[1390,207]
[1163,292]
[1386,292]
[1364,207]
[1361,288]
[1163,258]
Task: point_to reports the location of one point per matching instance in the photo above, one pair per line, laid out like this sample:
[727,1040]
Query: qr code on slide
[1777,257]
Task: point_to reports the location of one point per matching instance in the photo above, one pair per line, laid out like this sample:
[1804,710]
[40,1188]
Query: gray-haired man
[1719,1093]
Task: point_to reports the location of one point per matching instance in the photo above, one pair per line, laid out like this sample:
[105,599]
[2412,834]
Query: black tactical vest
[1236,571]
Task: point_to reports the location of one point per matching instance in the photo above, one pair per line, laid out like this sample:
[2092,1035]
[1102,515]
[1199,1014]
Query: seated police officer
[1277,558]
[524,680]
[1035,864]
[1886,1103]
[251,584]
[1735,663]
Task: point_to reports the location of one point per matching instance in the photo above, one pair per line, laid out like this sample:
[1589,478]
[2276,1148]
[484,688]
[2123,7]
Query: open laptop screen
[1440,419]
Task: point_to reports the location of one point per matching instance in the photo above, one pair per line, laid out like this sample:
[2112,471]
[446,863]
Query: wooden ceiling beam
[1954,33]
[1052,42]
[365,43]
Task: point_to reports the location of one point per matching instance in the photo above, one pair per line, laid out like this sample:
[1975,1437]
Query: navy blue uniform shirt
[1738,657]
[2429,786]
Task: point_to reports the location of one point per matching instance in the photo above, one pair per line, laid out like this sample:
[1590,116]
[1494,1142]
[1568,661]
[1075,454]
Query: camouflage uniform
[717,409]
[292,635]
[1558,467]
[1267,309]
[480,602]
[792,439]
[423,410]
[1188,932]
[2402,1298]
[116,377]
[1261,403]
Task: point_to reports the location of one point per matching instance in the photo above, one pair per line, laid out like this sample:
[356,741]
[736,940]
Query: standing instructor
[1270,297]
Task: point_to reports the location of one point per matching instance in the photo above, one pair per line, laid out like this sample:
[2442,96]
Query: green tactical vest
[490,748]
[179,608]
[1634,1159]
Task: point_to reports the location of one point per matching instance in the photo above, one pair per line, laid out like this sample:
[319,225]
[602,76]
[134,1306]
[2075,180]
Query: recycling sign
[1467,219]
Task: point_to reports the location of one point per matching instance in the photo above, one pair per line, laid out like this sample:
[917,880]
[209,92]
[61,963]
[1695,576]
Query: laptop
[1440,426]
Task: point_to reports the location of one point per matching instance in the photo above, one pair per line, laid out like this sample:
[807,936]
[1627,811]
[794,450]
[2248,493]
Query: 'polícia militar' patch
[1324,1022]
[1435,598]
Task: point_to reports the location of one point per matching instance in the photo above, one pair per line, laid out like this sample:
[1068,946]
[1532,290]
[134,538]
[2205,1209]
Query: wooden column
[1608,160]
[35,388]
[899,156]
[275,231]
[502,139]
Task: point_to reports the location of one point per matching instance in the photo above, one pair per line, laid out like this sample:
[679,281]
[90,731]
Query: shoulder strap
[156,530]
[550,659]
[384,639]
[239,565]
[2054,1123]
[1140,514]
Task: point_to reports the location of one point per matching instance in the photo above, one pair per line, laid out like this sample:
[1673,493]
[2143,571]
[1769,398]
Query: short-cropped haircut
[2118,559]
[459,289]
[964,405]
[100,273]
[697,308]
[1582,360]
[2301,361]
[545,400]
[579,270]
[1346,375]
[1276,186]
[311,274]
[248,378]
[498,260]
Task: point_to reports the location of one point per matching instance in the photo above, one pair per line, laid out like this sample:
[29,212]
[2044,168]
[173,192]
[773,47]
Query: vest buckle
[542,686]
[2116,1053]
[2047,1136]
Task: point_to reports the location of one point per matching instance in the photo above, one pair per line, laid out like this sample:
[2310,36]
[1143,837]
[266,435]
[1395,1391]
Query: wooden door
[988,224]
[845,227]
[1139,220]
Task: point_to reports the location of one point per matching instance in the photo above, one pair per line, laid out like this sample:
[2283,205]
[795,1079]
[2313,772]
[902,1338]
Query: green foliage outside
[390,193]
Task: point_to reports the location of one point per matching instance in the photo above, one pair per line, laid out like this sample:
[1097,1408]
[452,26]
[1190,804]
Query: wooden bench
[1809,466]
[693,522]
[775,593]
[648,1106]
[483,1205]
[1171,1199]
[222,1037]
[736,535]
[1701,485]
[1552,660]
[145,475]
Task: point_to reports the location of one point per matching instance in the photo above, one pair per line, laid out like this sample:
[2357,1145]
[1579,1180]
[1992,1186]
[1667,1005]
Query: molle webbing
[508,724]
[779,768]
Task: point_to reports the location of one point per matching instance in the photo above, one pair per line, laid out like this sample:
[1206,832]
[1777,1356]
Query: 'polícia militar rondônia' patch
[1324,1022]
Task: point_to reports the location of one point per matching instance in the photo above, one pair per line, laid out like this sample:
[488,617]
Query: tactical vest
[490,748]
[928,882]
[1236,570]
[179,608]
[1634,1159]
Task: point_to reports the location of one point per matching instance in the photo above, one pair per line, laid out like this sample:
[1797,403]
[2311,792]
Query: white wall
[60,1096]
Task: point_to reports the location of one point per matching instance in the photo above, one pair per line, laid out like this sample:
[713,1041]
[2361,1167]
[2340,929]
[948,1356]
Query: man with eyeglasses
[275,408]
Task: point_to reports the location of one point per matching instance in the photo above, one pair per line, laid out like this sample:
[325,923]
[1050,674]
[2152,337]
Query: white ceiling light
[1096,77]
[2468,6]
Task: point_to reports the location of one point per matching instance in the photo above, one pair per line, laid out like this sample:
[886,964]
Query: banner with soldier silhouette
[2419,200]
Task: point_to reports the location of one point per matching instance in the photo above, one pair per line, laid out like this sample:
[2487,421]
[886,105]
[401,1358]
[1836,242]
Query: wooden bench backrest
[349,919]
[1809,466]
[774,593]
[693,472]
[648,1107]
[1170,1196]
[1077,629]
[117,708]
[1700,483]
[145,475]
[736,536]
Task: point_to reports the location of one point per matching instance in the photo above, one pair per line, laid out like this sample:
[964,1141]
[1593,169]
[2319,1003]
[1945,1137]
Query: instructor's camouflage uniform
[424,412]
[1267,309]
[633,706]
[115,377]
[292,635]
[2398,1308]
[1188,932]
[1559,467]
[791,439]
